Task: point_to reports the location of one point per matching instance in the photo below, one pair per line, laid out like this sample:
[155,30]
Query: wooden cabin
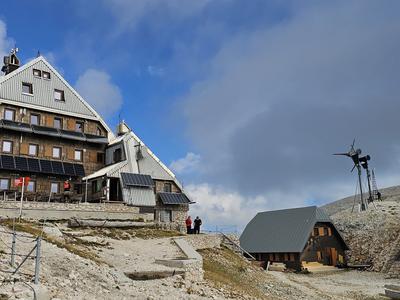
[294,237]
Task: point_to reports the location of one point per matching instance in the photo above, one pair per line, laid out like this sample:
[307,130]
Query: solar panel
[45,130]
[57,167]
[132,179]
[45,166]
[79,170]
[33,165]
[8,162]
[69,169]
[174,198]
[21,163]
[1,165]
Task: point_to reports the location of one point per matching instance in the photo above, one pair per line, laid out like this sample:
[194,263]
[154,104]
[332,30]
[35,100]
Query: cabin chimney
[122,128]
[11,62]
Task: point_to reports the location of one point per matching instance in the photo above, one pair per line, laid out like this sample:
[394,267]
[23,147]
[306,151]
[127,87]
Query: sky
[245,100]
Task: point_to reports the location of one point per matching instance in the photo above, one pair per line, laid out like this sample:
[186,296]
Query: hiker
[188,225]
[197,224]
[67,186]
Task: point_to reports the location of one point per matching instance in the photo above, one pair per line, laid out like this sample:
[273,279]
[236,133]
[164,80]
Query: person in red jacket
[188,225]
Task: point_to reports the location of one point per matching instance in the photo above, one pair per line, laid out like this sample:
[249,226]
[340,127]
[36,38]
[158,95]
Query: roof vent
[122,128]
[11,62]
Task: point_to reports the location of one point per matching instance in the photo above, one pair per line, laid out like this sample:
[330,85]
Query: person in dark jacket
[197,224]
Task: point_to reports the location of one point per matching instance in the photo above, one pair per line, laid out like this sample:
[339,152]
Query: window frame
[169,189]
[99,132]
[8,183]
[36,149]
[62,94]
[11,146]
[59,154]
[34,115]
[82,123]
[56,184]
[34,186]
[61,122]
[45,73]
[39,71]
[81,154]
[9,110]
[100,157]
[30,85]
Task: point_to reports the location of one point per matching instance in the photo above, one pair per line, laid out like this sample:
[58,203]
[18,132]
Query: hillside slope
[374,235]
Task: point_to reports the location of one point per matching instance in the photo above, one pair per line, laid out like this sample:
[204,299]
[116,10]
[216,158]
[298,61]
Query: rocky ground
[92,264]
[373,235]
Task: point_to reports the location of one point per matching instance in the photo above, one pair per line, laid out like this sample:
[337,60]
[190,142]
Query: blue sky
[245,100]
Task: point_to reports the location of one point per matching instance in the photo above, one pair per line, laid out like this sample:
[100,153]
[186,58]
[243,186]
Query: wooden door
[334,256]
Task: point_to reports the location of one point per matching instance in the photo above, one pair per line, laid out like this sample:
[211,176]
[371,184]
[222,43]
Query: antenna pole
[363,206]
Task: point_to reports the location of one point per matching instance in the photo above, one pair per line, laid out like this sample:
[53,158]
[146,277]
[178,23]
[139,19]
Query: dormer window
[46,75]
[37,73]
[27,88]
[59,95]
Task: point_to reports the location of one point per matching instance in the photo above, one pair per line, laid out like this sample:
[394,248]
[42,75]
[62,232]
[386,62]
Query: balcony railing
[54,132]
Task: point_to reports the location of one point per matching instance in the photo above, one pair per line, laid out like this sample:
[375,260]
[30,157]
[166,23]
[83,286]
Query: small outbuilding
[294,237]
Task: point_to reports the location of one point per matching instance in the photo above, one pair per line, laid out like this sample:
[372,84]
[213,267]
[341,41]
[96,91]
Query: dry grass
[75,246]
[223,267]
[128,233]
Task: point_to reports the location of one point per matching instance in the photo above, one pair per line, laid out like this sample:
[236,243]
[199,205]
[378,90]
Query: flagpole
[22,198]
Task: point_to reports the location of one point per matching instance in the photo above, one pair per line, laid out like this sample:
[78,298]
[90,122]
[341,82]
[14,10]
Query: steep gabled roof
[43,92]
[284,230]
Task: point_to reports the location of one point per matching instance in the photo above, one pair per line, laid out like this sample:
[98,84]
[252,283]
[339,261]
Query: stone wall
[204,241]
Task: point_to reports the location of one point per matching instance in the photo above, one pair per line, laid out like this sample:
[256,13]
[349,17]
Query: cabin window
[58,123]
[316,231]
[27,88]
[4,184]
[326,231]
[37,73]
[54,187]
[78,155]
[56,152]
[98,131]
[35,119]
[167,187]
[96,186]
[59,95]
[166,216]
[329,231]
[9,114]
[31,187]
[291,257]
[33,150]
[271,257]
[46,75]
[286,257]
[100,157]
[7,147]
[117,155]
[79,125]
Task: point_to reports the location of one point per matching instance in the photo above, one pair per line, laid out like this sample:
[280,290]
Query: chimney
[11,62]
[122,128]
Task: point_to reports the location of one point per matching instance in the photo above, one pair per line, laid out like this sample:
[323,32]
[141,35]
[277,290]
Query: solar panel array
[173,198]
[132,179]
[27,164]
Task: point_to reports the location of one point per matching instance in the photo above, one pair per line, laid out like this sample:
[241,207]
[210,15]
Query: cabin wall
[324,246]
[291,260]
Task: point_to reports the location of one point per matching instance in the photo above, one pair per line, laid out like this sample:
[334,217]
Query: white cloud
[278,101]
[189,163]
[155,71]
[97,89]
[6,43]
[129,13]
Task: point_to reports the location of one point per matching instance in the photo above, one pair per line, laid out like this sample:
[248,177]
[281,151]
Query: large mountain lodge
[50,134]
